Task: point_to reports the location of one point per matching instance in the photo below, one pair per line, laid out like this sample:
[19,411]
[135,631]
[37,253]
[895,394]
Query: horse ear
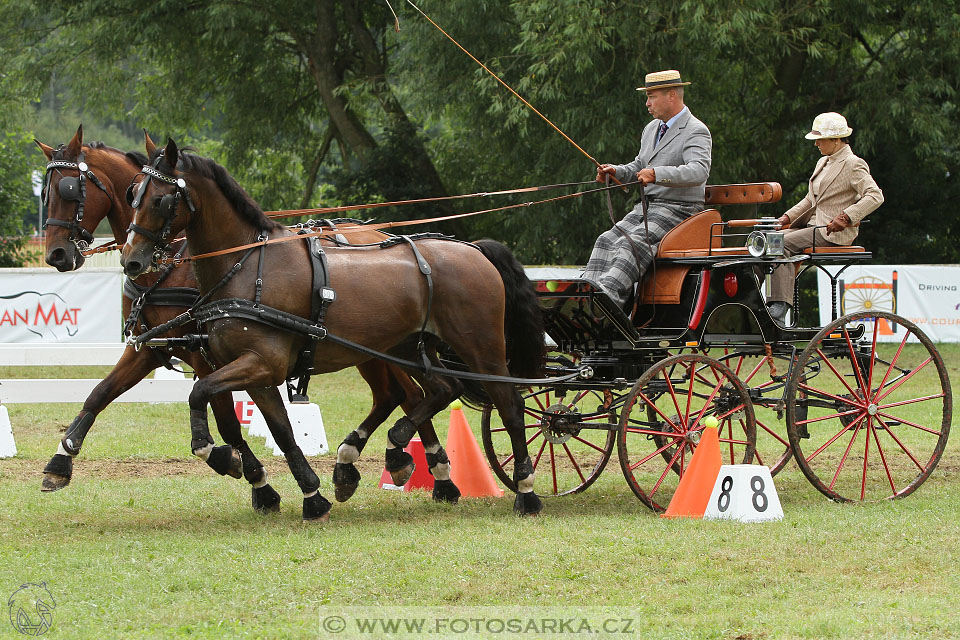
[76,142]
[148,142]
[47,151]
[171,154]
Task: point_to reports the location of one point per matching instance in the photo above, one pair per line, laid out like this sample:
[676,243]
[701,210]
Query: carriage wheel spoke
[883,460]
[843,458]
[829,442]
[902,446]
[574,461]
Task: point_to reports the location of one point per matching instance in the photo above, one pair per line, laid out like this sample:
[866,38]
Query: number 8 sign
[744,492]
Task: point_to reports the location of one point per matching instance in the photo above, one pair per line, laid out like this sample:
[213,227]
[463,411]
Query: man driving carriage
[673,165]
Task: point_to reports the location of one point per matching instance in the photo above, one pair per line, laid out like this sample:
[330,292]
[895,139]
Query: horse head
[162,206]
[79,191]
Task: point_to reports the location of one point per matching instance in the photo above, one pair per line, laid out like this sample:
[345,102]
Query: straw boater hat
[662,80]
[829,125]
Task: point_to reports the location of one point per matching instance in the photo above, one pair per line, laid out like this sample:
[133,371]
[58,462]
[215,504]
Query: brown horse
[106,176]
[384,301]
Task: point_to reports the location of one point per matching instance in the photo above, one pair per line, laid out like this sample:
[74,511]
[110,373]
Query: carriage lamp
[765,240]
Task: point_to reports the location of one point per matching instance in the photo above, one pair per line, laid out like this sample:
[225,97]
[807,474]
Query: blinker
[168,206]
[69,188]
[135,193]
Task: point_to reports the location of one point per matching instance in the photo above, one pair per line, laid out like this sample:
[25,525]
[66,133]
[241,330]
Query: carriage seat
[834,250]
[695,238]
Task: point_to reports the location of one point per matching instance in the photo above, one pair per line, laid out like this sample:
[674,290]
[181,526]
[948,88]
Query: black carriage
[863,404]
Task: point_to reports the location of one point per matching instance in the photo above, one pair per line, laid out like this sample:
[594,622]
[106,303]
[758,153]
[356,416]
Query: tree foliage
[293,95]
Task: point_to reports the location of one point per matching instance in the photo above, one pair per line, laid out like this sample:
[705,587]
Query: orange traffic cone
[696,485]
[468,468]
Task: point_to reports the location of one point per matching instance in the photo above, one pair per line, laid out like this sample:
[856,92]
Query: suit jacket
[845,186]
[681,160]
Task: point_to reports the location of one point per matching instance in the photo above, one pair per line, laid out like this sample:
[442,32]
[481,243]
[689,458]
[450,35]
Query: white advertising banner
[43,305]
[926,295]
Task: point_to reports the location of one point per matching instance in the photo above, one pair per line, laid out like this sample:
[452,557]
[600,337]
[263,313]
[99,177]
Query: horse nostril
[56,257]
[132,268]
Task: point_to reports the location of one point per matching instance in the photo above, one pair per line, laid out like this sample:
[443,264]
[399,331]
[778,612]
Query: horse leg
[387,396]
[236,458]
[509,405]
[316,508]
[132,367]
[437,394]
[444,490]
[250,372]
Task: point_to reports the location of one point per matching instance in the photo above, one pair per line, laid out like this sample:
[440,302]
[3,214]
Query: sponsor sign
[42,305]
[926,295]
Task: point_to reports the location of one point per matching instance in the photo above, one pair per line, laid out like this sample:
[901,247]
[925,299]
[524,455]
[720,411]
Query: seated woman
[841,193]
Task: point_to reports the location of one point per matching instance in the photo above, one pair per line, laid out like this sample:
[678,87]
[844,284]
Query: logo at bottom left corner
[31,609]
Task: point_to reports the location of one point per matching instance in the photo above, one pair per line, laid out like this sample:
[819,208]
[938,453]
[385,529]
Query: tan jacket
[846,186]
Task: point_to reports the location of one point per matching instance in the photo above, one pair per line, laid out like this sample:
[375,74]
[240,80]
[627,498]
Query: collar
[674,119]
[842,153]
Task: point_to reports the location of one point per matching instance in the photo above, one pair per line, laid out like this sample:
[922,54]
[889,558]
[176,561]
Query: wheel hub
[558,423]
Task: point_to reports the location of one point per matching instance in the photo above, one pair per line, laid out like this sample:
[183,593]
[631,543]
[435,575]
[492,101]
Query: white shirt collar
[672,120]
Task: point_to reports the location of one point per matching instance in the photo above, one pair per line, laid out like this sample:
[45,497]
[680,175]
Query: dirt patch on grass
[21,470]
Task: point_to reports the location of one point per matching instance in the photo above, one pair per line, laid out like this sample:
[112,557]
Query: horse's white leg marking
[347,454]
[204,452]
[525,485]
[63,452]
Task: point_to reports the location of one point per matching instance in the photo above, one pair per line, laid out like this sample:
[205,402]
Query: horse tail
[523,318]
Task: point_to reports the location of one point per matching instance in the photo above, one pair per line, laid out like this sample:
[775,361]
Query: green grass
[183,555]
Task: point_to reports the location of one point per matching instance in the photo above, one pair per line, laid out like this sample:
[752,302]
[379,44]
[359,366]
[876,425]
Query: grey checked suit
[681,162]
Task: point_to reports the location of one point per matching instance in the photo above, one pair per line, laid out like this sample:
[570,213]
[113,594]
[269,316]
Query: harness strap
[243,308]
[426,271]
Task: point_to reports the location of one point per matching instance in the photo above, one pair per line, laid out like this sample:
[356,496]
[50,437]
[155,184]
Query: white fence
[166,387]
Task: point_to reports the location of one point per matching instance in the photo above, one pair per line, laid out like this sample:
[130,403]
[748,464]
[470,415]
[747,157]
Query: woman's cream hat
[829,125]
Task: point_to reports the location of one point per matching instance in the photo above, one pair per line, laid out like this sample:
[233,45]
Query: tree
[761,70]
[289,77]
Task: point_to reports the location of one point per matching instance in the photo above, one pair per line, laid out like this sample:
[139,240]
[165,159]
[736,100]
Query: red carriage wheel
[754,370]
[869,408]
[570,438]
[665,412]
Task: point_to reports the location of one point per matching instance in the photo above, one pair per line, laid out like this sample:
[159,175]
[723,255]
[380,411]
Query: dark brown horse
[107,174]
[384,301]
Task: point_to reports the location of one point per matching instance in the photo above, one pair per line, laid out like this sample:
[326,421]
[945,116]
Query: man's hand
[784,221]
[646,176]
[839,223]
[606,170]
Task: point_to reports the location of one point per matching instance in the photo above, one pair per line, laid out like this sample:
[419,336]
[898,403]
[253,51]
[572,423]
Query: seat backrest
[693,233]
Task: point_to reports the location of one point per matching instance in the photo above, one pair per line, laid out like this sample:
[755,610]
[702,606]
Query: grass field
[146,542]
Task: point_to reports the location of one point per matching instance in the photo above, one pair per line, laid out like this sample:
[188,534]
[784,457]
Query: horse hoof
[225,460]
[400,477]
[266,499]
[316,508]
[445,491]
[346,479]
[53,482]
[527,504]
[236,464]
[57,473]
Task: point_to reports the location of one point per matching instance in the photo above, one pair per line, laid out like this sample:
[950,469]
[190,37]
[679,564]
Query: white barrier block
[305,418]
[8,448]
[744,492]
[308,429]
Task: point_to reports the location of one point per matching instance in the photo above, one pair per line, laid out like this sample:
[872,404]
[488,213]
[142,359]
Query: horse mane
[233,192]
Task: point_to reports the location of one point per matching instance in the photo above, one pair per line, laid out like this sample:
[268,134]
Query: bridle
[71,188]
[169,204]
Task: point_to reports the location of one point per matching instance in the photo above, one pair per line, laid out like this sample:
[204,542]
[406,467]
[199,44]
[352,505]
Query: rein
[384,225]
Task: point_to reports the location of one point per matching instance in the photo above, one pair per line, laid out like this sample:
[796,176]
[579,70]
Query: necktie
[661,133]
